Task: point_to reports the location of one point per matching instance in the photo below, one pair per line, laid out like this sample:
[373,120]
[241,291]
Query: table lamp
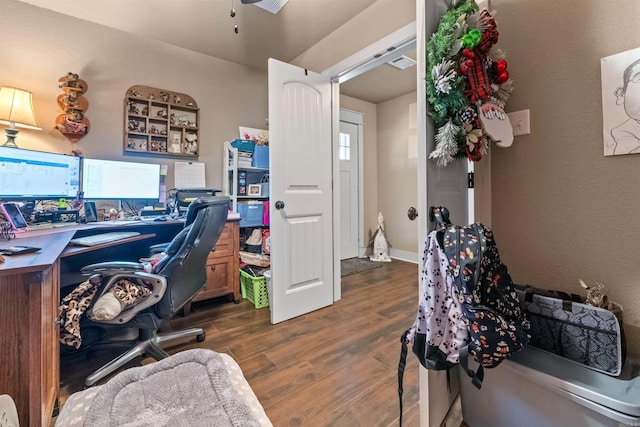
[16,109]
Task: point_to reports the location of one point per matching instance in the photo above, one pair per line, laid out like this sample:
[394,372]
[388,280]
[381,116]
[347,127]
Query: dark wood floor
[334,367]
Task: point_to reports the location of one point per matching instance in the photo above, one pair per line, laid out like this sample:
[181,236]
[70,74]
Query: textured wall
[561,210]
[39,46]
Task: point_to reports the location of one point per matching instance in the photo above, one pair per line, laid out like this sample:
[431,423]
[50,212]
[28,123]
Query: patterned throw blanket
[191,388]
[124,294]
[72,308]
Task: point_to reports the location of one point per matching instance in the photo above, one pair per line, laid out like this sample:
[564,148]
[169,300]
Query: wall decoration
[467,85]
[260,136]
[621,102]
[72,123]
[160,122]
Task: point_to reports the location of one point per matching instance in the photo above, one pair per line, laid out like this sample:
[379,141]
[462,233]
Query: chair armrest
[158,248]
[112,267]
[158,288]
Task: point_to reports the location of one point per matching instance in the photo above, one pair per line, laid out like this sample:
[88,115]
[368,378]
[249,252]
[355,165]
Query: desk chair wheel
[201,337]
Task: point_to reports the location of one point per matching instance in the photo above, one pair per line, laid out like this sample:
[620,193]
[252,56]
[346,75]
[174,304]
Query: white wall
[397,173]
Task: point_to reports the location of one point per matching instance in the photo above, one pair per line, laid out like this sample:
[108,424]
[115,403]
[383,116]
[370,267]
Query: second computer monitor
[110,179]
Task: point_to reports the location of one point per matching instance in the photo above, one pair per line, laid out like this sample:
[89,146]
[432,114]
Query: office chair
[175,279]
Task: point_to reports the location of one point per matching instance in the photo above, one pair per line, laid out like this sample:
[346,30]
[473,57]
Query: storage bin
[265,214]
[251,214]
[243,145]
[260,157]
[267,276]
[254,289]
[536,388]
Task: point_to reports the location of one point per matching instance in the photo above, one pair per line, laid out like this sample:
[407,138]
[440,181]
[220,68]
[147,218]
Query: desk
[29,300]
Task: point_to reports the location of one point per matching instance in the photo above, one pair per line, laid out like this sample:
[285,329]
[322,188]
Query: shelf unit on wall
[236,190]
[158,121]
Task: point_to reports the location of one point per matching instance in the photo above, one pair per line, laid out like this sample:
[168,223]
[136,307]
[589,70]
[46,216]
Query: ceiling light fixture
[272,6]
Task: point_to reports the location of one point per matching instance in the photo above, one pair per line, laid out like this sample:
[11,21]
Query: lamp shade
[16,108]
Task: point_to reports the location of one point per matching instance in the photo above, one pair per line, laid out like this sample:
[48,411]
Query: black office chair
[176,278]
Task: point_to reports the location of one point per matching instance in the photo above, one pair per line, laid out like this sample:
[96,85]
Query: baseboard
[404,256]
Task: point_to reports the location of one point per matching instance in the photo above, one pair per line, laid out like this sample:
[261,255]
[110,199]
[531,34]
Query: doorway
[358,200]
[351,185]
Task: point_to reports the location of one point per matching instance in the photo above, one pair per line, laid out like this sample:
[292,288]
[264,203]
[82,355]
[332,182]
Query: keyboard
[47,225]
[98,239]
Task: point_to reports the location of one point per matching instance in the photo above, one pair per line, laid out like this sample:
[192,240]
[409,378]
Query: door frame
[355,118]
[403,40]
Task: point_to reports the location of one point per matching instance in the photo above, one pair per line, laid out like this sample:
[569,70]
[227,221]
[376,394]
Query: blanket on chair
[191,388]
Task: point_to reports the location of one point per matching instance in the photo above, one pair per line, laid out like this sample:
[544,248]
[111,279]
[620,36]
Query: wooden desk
[29,301]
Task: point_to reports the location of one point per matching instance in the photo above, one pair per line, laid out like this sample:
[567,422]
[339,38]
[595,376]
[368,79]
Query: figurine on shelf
[70,127]
[164,96]
[191,144]
[72,123]
[133,108]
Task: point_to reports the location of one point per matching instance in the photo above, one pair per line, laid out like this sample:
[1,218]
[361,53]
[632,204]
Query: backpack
[494,315]
[468,304]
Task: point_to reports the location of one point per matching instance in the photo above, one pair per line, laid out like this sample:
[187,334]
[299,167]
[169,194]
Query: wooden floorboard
[334,367]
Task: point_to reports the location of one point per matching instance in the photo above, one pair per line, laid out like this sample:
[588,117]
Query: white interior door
[301,191]
[349,156]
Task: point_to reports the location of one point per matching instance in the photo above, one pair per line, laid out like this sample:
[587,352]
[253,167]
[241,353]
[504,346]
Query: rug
[357,265]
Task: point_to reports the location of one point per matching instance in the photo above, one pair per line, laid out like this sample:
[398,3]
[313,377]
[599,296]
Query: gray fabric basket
[587,335]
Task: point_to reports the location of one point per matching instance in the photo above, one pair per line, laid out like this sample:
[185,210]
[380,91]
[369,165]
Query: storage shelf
[231,186]
[174,117]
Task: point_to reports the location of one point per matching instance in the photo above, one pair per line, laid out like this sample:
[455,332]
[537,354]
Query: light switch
[520,122]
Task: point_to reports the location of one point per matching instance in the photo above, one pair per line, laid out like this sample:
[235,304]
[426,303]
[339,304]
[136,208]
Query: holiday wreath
[467,83]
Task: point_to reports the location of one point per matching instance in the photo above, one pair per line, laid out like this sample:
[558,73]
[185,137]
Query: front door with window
[349,185]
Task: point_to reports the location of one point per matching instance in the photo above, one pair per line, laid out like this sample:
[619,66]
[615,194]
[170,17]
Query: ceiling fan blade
[249,1]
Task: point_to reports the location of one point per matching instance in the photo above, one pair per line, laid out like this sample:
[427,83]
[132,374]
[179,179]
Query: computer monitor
[116,180]
[28,174]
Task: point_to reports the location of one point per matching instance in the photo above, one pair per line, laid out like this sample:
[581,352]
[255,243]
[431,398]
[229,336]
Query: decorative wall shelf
[159,121]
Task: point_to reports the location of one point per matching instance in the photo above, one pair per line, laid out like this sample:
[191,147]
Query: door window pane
[345,146]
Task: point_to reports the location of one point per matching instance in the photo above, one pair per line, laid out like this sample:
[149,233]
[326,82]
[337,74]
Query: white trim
[335,140]
[404,256]
[351,116]
[356,118]
[400,42]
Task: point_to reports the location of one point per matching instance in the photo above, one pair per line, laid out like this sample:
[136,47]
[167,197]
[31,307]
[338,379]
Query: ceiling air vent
[272,6]
[402,62]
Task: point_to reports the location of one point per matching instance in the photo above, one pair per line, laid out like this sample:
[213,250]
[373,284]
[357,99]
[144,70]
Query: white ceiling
[205,26]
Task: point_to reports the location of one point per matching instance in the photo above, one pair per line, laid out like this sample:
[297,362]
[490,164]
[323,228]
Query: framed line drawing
[621,103]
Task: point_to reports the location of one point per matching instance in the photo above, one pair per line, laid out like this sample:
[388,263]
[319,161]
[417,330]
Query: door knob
[279,204]
[412,213]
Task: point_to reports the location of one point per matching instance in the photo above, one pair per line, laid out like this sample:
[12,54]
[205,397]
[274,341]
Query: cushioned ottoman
[195,388]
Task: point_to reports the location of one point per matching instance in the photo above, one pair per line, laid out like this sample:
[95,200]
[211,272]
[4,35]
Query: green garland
[439,48]
[459,131]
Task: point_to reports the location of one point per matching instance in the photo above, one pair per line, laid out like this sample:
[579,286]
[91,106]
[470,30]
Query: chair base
[150,347]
